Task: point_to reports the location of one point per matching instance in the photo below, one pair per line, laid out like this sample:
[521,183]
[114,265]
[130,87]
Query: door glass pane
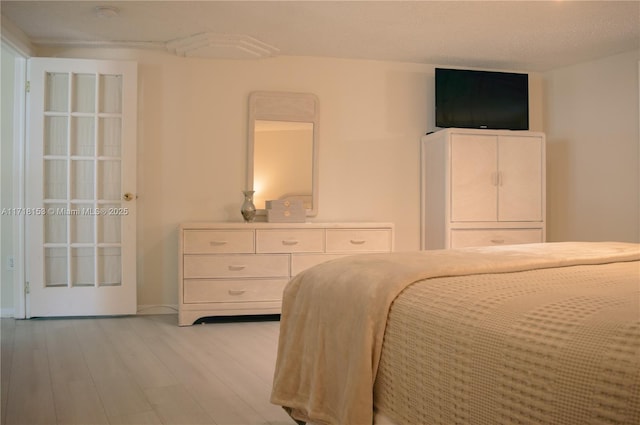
[109,269]
[109,180]
[55,136]
[55,179]
[83,140]
[84,93]
[82,179]
[82,266]
[57,92]
[109,137]
[55,223]
[111,94]
[109,224]
[55,266]
[82,223]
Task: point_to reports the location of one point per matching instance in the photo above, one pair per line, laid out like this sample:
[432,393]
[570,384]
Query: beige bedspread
[334,315]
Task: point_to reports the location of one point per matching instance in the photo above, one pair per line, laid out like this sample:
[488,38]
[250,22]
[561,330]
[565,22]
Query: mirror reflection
[282,166]
[282,149]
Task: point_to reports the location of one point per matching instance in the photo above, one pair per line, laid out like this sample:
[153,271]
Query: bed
[528,334]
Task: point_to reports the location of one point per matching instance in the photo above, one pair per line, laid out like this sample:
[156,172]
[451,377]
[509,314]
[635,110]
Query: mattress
[544,333]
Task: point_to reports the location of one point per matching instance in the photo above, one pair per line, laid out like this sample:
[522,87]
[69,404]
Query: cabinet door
[520,183]
[474,165]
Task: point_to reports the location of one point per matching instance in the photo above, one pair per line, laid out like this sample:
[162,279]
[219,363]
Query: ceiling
[514,35]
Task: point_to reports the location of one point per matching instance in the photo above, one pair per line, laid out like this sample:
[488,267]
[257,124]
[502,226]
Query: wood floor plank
[30,395]
[228,375]
[66,360]
[122,396]
[236,375]
[78,403]
[100,355]
[175,405]
[138,370]
[134,352]
[223,405]
[226,408]
[142,418]
[7,334]
[75,395]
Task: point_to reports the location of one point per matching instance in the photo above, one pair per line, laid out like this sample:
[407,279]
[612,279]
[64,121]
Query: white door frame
[19,279]
[18,200]
[14,39]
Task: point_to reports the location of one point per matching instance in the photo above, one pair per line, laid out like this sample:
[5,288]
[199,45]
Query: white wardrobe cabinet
[482,187]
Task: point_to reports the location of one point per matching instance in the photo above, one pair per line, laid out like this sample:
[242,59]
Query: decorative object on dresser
[482,187]
[228,269]
[286,211]
[248,210]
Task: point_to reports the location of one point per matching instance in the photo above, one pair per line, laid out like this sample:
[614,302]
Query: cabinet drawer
[487,237]
[231,266]
[293,240]
[218,241]
[207,291]
[358,240]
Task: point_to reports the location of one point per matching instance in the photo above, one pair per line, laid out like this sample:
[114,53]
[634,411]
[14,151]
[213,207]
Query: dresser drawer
[358,240]
[290,240]
[207,291]
[218,241]
[234,266]
[487,237]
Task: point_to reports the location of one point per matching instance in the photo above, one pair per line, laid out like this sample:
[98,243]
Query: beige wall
[592,125]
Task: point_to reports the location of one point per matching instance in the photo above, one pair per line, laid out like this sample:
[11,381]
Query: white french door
[80,210]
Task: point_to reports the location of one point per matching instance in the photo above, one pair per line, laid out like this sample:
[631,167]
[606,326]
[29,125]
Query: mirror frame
[284,106]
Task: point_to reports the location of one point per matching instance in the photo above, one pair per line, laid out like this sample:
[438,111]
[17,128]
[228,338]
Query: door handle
[128,196]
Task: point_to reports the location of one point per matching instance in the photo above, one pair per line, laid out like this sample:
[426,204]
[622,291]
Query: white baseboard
[142,309]
[157,309]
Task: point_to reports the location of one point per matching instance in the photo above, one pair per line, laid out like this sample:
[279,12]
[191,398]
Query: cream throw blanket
[334,315]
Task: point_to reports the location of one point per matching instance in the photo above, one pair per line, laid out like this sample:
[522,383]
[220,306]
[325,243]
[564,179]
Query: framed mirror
[283,148]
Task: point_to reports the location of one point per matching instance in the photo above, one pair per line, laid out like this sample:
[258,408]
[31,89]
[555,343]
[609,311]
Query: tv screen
[482,99]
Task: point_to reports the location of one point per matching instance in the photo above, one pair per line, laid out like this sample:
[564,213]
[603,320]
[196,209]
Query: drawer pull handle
[236,291]
[235,268]
[217,243]
[497,241]
[289,242]
[357,241]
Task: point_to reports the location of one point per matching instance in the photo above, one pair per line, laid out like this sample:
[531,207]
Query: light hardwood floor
[138,370]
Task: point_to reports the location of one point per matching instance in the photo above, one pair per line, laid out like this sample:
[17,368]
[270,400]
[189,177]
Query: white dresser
[482,187]
[241,268]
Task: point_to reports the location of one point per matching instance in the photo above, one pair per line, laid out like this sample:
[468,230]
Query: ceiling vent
[221,46]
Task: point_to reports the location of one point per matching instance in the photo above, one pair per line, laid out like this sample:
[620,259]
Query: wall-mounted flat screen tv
[482,99]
